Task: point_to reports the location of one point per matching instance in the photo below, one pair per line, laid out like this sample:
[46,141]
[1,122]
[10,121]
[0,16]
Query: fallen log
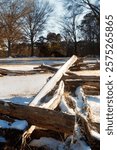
[56,65]
[82,65]
[78,82]
[49,86]
[6,118]
[47,68]
[83,119]
[53,81]
[84,125]
[40,117]
[83,78]
[5,72]
[51,105]
[91,87]
[49,119]
[76,66]
[91,92]
[95,84]
[54,102]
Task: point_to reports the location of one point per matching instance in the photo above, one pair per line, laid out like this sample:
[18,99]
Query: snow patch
[17,124]
[23,86]
[2,140]
[49,142]
[64,107]
[80,99]
[79,93]
[58,145]
[4,124]
[20,100]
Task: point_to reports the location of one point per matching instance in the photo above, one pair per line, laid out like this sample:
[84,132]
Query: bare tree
[94,8]
[11,13]
[90,29]
[36,20]
[71,21]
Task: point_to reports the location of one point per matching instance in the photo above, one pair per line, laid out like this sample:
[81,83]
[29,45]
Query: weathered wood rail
[42,114]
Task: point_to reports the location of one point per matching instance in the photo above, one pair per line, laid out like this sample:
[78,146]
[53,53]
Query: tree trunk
[32,47]
[74,34]
[9,48]
[75,44]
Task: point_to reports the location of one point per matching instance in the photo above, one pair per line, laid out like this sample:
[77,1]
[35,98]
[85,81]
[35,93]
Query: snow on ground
[22,89]
[18,67]
[20,100]
[21,86]
[49,142]
[58,145]
[26,86]
[64,107]
[17,124]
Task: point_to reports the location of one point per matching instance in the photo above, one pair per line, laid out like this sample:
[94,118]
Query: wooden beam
[84,125]
[84,122]
[49,119]
[92,92]
[70,75]
[53,81]
[4,72]
[78,82]
[47,68]
[54,102]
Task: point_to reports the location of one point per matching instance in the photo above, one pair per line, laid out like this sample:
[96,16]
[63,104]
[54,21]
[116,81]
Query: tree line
[23,21]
